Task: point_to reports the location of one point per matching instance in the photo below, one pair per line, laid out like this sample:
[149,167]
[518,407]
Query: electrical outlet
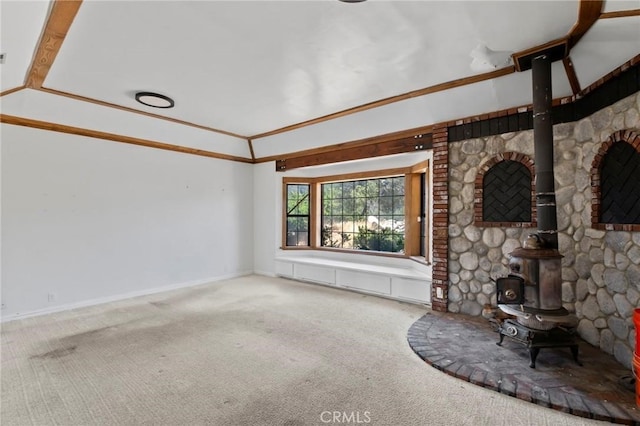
[3,306]
[3,57]
[51,297]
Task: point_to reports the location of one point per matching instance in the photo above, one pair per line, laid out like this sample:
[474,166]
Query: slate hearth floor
[465,347]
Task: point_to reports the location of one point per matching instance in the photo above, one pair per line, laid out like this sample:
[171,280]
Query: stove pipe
[535,282]
[543,147]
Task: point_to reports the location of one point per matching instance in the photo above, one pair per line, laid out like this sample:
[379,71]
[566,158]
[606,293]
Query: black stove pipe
[543,147]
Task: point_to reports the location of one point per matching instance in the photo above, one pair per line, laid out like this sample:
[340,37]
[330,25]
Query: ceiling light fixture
[352,1]
[154,100]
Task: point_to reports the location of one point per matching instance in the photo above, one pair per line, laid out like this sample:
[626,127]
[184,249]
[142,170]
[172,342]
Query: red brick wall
[439,289]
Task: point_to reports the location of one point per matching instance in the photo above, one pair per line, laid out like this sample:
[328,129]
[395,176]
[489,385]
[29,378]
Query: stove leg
[501,339]
[533,354]
[574,352]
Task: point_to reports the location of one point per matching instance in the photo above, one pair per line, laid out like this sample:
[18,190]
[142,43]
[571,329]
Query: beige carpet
[247,351]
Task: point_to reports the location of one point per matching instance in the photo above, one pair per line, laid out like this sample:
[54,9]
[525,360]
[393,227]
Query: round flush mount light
[154,100]
[352,1]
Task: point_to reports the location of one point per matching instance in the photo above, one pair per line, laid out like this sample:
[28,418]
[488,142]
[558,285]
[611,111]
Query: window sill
[400,279]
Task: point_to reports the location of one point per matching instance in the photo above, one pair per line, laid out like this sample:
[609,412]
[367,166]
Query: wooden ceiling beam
[60,18]
[411,140]
[571,75]
[589,12]
[10,91]
[62,128]
[620,14]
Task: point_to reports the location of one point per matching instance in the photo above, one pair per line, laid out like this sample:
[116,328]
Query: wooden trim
[620,14]
[314,229]
[348,176]
[377,174]
[397,146]
[300,180]
[315,224]
[253,155]
[284,216]
[421,167]
[571,75]
[386,101]
[44,125]
[522,59]
[60,19]
[351,144]
[411,213]
[10,91]
[588,13]
[391,143]
[136,111]
[428,213]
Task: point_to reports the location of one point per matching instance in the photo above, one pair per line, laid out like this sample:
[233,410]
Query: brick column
[440,286]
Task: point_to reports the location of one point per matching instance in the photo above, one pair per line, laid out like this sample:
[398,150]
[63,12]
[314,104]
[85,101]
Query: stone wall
[601,269]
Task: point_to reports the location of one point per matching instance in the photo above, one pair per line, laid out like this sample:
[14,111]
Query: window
[297,217]
[364,214]
[373,212]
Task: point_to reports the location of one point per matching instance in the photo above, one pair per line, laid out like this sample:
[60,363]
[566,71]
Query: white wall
[87,220]
[268,201]
[267,188]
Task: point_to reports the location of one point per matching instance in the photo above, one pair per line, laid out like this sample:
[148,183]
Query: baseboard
[265,273]
[115,298]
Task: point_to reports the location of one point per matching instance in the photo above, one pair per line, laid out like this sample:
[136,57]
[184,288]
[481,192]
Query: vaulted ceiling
[291,75]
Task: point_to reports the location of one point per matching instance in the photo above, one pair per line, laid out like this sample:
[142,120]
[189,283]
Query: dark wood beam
[253,155]
[397,146]
[571,75]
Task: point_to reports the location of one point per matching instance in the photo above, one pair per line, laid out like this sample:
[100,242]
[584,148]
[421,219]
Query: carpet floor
[248,351]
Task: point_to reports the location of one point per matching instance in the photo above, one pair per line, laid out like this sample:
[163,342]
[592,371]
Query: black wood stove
[532,293]
[534,340]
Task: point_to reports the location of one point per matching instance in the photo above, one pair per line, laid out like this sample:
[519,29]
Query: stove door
[510,290]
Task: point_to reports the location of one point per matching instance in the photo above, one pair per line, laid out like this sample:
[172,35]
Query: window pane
[398,186]
[303,239]
[337,189]
[373,188]
[373,207]
[398,205]
[348,188]
[292,238]
[386,205]
[336,207]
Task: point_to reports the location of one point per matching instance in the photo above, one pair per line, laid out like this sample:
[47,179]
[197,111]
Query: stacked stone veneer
[600,268]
